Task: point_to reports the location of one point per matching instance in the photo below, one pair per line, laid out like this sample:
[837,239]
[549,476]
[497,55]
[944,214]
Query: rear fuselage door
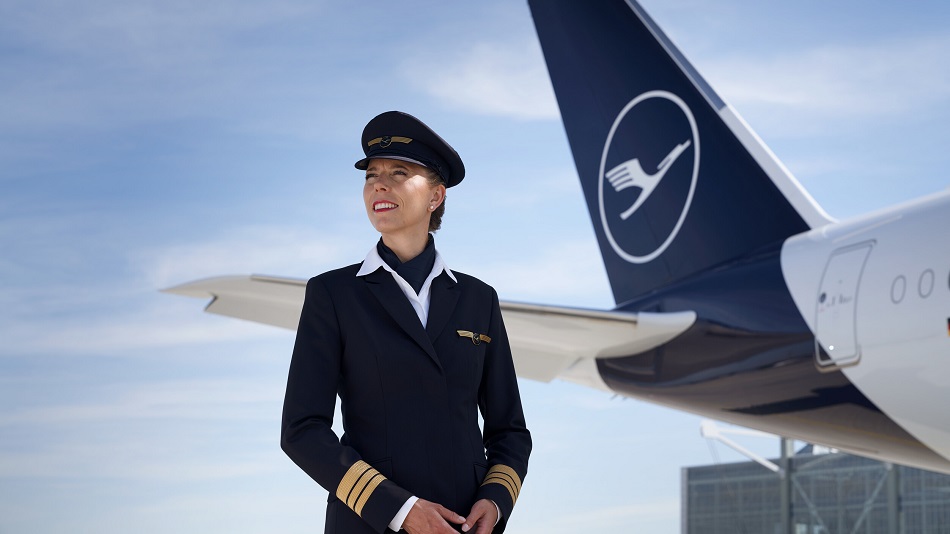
[836,342]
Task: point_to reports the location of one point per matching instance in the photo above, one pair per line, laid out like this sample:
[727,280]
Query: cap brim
[364,163]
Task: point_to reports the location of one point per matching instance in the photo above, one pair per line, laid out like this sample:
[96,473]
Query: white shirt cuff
[400,516]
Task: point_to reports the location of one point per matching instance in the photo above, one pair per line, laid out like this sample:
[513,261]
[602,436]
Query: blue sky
[145,144]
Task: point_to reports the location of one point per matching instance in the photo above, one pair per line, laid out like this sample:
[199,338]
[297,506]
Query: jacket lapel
[382,285]
[444,296]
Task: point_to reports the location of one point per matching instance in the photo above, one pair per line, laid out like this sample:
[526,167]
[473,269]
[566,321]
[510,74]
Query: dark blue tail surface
[675,182]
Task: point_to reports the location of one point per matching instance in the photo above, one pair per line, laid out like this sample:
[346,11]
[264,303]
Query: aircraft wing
[262,299]
[547,342]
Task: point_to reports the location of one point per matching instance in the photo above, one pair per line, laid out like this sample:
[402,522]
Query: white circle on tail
[629,173]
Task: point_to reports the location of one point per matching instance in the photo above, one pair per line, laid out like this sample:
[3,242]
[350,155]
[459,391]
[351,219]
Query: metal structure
[814,493]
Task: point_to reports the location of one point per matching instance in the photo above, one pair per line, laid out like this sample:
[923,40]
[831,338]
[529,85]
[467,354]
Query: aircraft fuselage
[839,336]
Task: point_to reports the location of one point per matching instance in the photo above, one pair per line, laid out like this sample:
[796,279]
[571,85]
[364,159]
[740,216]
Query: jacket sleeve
[506,437]
[309,402]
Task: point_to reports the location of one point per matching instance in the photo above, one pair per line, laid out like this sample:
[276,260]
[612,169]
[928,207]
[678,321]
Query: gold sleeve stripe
[350,479]
[506,476]
[498,479]
[358,485]
[364,496]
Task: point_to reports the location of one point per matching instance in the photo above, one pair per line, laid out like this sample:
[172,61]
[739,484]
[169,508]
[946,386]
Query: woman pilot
[414,350]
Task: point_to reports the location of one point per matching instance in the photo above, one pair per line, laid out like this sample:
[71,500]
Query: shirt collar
[373,261]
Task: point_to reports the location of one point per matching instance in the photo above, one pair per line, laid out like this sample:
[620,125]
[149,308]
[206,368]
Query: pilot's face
[399,197]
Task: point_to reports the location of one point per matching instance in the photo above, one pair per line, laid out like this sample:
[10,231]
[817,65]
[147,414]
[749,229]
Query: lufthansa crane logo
[648,174]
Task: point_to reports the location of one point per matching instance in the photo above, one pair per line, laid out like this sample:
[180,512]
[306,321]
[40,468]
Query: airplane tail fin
[676,183]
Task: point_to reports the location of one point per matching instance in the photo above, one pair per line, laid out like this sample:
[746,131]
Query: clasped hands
[426,517]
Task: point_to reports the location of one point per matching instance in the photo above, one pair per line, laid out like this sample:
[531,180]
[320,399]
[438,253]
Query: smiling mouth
[384,206]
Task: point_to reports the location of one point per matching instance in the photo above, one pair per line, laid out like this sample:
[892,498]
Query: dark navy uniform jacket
[409,399]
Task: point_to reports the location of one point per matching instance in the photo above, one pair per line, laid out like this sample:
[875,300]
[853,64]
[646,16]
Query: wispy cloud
[598,519]
[204,415]
[500,79]
[252,249]
[648,514]
[802,89]
[144,324]
[182,399]
[569,271]
[107,66]
[58,297]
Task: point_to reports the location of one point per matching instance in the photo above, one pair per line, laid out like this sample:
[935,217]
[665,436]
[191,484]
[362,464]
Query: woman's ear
[438,195]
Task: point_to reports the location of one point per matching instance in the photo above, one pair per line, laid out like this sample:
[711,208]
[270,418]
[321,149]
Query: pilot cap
[398,135]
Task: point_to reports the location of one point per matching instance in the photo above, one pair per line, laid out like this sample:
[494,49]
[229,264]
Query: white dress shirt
[420,302]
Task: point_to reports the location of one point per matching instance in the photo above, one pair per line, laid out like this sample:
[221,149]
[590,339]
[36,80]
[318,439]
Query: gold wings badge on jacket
[476,338]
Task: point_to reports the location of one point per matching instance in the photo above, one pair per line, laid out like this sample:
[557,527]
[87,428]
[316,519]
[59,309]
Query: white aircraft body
[737,297]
